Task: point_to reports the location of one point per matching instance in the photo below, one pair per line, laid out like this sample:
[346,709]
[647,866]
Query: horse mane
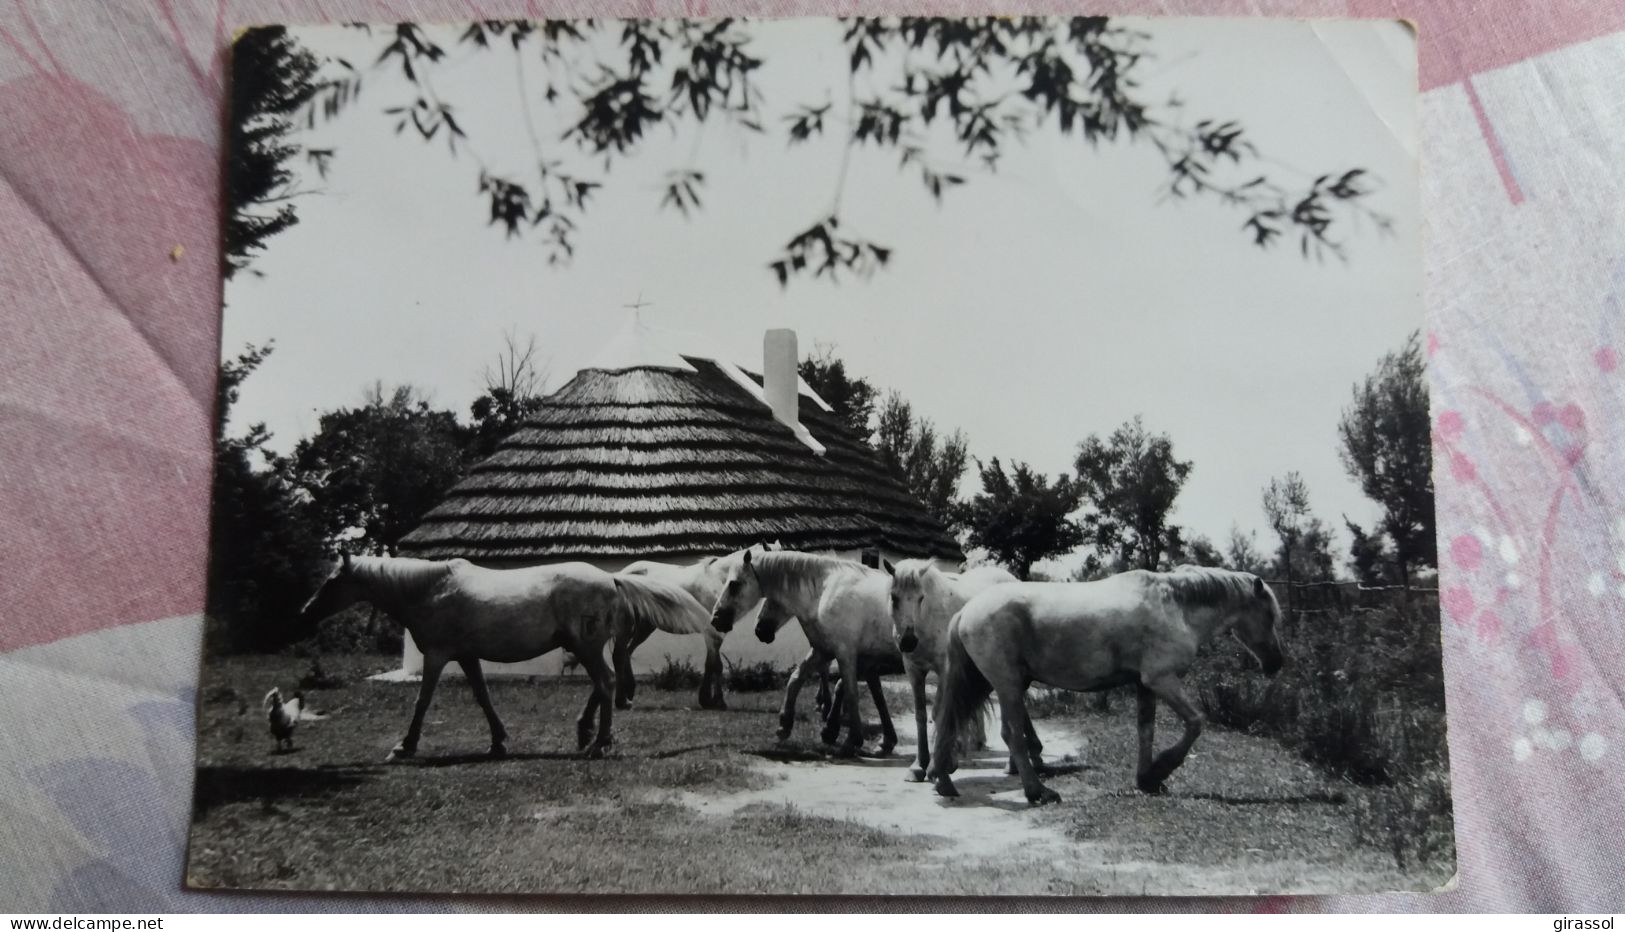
[803,573]
[1209,587]
[398,575]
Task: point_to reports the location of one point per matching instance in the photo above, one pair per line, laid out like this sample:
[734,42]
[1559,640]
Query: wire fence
[1342,597]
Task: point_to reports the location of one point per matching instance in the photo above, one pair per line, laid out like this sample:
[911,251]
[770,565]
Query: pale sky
[1054,299]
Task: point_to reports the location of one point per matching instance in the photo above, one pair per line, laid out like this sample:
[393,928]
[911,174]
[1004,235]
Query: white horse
[830,702]
[842,608]
[455,610]
[923,600]
[1137,627]
[702,580]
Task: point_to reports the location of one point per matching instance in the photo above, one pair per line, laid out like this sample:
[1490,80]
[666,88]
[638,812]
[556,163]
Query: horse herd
[982,633]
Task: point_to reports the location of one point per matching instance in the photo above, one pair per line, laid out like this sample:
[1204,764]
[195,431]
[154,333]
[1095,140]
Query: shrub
[317,677]
[1362,696]
[678,674]
[755,677]
[356,630]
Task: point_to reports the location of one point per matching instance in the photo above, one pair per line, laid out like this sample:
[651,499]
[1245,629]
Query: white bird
[283,716]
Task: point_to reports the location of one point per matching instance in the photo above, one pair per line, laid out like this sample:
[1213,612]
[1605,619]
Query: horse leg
[823,701]
[711,683]
[922,750]
[1013,707]
[798,676]
[848,667]
[1010,767]
[603,698]
[888,734]
[833,715]
[626,683]
[1148,734]
[1035,747]
[1169,689]
[432,665]
[476,682]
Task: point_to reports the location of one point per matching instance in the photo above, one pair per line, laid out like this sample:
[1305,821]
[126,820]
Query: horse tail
[646,600]
[967,697]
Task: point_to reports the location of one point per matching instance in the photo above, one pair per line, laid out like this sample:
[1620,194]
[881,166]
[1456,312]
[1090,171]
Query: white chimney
[780,381]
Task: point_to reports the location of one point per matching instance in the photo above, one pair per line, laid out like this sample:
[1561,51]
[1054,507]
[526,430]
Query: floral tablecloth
[110,118]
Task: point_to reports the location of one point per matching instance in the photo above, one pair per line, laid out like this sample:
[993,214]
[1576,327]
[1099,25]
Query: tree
[376,469]
[514,390]
[1241,554]
[926,92]
[1387,448]
[1369,558]
[272,81]
[1312,559]
[1020,517]
[852,398]
[264,551]
[1286,507]
[1131,480]
[1199,551]
[932,468]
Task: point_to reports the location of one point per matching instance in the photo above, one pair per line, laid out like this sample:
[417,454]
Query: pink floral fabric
[110,117]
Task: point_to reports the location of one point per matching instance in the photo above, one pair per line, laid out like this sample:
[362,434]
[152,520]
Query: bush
[677,675]
[317,677]
[754,678]
[1362,696]
[359,629]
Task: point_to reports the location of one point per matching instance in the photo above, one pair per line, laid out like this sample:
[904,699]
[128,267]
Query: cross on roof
[639,304]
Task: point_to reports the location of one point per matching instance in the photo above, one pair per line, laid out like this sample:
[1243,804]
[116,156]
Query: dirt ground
[707,802]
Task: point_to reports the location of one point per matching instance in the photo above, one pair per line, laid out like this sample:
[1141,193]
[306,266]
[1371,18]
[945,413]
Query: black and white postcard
[828,456]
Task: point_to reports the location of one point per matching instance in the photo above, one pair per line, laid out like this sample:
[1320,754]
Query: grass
[1362,696]
[331,816]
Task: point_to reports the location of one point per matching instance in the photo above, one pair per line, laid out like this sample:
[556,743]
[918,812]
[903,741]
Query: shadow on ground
[218,786]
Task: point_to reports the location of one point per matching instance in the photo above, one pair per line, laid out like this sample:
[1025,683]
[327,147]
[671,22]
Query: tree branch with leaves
[946,98]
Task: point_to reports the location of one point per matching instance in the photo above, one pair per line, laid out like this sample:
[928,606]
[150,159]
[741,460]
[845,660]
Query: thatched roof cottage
[676,463]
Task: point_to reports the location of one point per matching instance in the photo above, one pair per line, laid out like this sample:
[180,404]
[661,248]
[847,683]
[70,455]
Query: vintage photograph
[829,456]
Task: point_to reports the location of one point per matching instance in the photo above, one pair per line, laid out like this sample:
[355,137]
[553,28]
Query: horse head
[340,590]
[1256,625]
[741,590]
[909,585]
[772,617]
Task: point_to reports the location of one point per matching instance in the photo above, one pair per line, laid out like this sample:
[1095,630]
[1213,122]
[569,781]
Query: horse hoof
[1150,787]
[596,752]
[945,787]
[621,705]
[398,755]
[498,752]
[916,775]
[1043,796]
[847,751]
[886,749]
[1011,769]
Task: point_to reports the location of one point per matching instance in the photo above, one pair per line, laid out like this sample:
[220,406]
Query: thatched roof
[657,461]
